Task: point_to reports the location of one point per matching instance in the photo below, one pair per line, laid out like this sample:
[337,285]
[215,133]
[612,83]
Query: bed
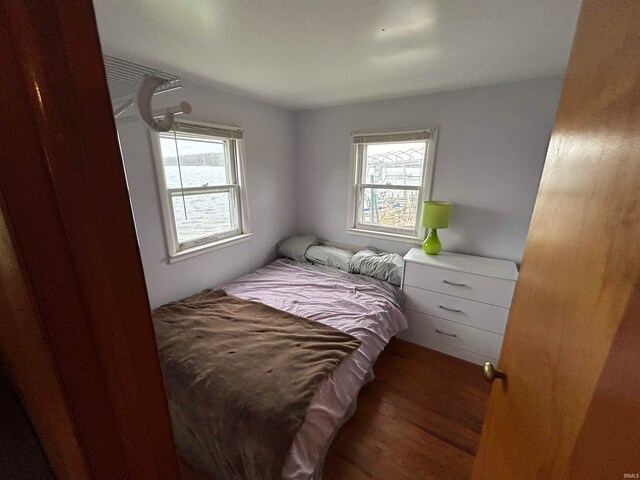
[366,308]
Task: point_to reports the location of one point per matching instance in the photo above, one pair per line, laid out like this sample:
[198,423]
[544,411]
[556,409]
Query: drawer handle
[450,309]
[454,283]
[446,334]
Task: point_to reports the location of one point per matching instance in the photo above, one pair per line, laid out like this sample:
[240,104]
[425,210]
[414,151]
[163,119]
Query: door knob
[490,373]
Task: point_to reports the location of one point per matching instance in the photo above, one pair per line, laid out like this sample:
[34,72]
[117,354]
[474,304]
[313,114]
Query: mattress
[366,308]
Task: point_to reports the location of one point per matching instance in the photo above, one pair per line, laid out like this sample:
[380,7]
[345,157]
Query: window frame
[357,186]
[234,149]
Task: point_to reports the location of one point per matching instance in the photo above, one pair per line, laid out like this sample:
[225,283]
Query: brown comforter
[240,376]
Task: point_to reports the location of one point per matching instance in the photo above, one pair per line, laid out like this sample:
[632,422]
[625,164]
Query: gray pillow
[380,265]
[295,246]
[330,256]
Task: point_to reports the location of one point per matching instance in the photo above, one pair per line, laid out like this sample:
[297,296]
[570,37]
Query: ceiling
[310,53]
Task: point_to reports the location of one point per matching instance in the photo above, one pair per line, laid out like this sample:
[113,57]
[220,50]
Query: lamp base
[431,244]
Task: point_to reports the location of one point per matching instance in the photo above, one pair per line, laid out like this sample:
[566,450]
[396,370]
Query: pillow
[330,256]
[380,265]
[295,246]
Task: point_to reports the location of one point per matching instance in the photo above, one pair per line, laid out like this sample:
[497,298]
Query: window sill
[394,237]
[210,247]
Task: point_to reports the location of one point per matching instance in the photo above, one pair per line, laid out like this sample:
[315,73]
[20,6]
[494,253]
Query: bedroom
[313,130]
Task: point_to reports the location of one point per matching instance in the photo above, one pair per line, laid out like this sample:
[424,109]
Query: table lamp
[434,215]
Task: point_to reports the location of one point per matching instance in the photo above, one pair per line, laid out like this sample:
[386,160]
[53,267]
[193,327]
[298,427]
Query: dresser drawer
[474,314]
[495,291]
[448,349]
[455,334]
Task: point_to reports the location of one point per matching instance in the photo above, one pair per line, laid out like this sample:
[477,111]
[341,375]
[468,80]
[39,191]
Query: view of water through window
[206,214]
[202,164]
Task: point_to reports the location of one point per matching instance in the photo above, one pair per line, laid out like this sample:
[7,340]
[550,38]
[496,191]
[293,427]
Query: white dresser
[458,304]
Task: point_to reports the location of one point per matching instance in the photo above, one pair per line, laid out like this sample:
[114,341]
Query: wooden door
[570,405]
[75,328]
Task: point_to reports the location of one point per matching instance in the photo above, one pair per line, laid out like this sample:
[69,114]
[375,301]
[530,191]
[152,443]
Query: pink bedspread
[363,310]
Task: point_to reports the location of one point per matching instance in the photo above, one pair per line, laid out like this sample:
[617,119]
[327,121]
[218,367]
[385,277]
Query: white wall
[270,159]
[491,149]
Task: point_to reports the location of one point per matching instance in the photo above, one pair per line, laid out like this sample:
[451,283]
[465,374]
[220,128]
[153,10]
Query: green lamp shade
[435,214]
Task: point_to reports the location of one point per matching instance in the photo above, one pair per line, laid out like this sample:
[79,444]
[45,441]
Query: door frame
[78,338]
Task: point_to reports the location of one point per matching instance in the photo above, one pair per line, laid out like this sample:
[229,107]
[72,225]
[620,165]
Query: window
[202,187]
[390,178]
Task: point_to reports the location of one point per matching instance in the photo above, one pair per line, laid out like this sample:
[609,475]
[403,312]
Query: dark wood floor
[419,419]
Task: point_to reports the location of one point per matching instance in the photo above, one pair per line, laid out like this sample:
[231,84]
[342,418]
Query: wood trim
[66,197]
[34,376]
